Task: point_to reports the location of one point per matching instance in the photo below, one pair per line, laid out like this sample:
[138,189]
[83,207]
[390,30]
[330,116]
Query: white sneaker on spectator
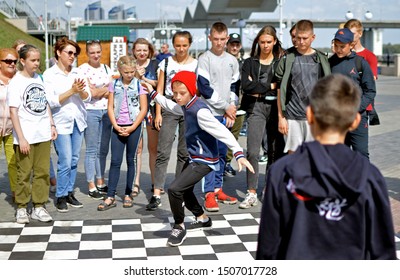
[249,201]
[22,216]
[41,214]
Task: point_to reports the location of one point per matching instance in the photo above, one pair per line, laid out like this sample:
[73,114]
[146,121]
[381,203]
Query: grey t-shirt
[304,74]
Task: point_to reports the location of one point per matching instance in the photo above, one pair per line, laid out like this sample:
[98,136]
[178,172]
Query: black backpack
[373,117]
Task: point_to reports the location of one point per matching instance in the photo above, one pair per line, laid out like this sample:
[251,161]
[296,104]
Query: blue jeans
[52,172]
[93,139]
[105,143]
[215,178]
[68,147]
[118,144]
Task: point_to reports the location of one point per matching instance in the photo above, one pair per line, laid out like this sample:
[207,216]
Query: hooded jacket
[365,80]
[325,202]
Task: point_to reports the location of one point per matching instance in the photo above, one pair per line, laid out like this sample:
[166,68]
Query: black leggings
[180,192]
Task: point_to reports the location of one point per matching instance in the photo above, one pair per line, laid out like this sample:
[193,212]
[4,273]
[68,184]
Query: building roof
[208,11]
[101,32]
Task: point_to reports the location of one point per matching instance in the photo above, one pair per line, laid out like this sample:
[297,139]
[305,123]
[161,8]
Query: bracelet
[53,125]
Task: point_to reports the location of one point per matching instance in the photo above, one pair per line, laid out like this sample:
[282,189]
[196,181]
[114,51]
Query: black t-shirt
[304,74]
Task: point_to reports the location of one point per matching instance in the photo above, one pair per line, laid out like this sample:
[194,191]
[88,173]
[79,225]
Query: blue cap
[344,35]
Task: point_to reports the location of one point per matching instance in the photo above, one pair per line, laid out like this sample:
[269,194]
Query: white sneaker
[22,216]
[41,214]
[249,201]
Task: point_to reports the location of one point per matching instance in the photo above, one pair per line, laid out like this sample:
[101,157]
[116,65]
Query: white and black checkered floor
[233,236]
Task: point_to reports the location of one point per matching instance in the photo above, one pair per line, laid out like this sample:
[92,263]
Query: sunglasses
[9,61]
[89,42]
[71,53]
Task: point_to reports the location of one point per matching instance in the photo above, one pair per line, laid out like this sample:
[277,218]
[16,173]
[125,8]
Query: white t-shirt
[174,67]
[29,96]
[100,77]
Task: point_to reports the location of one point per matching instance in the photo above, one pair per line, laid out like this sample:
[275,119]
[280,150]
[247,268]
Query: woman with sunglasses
[98,131]
[69,92]
[8,61]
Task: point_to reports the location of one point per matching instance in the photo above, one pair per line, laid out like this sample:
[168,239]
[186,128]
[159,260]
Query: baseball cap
[234,38]
[344,35]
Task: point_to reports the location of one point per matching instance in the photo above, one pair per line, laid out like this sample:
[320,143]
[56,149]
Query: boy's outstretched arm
[242,161]
[165,103]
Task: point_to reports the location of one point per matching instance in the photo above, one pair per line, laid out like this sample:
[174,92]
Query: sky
[309,9]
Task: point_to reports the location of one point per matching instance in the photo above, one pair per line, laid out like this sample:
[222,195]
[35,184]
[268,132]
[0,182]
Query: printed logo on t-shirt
[35,100]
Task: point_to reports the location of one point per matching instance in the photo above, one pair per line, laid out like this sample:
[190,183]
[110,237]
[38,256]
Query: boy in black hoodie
[344,61]
[326,201]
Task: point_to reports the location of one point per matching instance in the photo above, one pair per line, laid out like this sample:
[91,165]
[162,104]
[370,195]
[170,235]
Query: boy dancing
[201,132]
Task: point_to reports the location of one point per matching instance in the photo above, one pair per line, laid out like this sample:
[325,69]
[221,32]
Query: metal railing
[21,9]
[5,7]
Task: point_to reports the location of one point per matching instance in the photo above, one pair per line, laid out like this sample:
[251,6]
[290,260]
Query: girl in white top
[98,76]
[33,131]
[167,122]
[67,102]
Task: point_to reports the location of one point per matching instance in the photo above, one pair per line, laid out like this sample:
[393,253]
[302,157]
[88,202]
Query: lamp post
[241,23]
[280,4]
[68,5]
[349,15]
[368,15]
[46,35]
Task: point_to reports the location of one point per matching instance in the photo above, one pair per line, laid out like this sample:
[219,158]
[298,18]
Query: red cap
[188,78]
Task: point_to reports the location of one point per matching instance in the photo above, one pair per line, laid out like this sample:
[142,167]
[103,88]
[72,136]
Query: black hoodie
[365,80]
[325,202]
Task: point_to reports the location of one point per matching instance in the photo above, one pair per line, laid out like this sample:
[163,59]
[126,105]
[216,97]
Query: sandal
[128,202]
[136,190]
[103,206]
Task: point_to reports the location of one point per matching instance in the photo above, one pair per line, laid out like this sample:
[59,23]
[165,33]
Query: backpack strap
[359,68]
[165,74]
[358,60]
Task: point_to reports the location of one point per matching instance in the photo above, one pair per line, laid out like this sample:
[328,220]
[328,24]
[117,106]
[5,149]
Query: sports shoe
[22,217]
[249,201]
[178,235]
[41,214]
[224,198]
[229,171]
[263,159]
[102,189]
[199,225]
[210,203]
[154,203]
[61,204]
[96,195]
[72,201]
